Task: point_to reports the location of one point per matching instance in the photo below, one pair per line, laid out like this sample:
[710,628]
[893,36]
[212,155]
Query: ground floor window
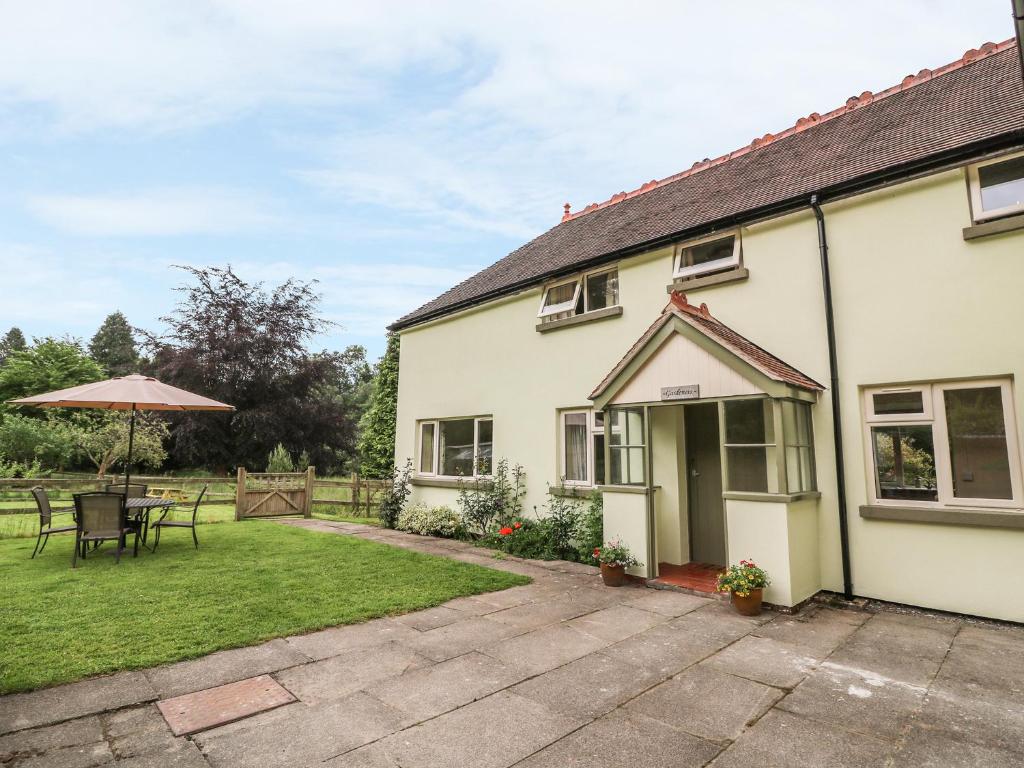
[768,446]
[456,447]
[947,443]
[582,447]
[626,447]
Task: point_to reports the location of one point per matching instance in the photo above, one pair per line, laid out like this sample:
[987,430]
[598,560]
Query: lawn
[247,583]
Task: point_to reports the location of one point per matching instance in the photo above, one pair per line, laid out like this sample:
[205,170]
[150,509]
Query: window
[582,448]
[750,446]
[626,449]
[997,187]
[711,254]
[799,441]
[456,447]
[587,293]
[949,443]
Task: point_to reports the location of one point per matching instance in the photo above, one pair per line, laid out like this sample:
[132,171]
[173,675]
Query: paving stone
[764,660]
[858,700]
[339,676]
[490,733]
[138,731]
[707,703]
[625,739]
[719,621]
[337,640]
[664,650]
[431,691]
[588,687]
[545,648]
[783,740]
[926,748]
[667,602]
[470,634]
[898,647]
[82,756]
[370,756]
[616,623]
[976,668]
[432,618]
[818,630]
[223,667]
[976,717]
[300,734]
[65,702]
[184,755]
[209,708]
[540,614]
[86,730]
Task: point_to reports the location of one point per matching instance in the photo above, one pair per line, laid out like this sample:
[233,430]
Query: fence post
[240,493]
[310,480]
[356,494]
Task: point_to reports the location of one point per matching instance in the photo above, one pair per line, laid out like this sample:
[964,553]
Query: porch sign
[684,392]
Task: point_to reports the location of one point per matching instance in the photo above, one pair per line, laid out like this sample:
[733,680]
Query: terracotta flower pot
[613,575]
[749,605]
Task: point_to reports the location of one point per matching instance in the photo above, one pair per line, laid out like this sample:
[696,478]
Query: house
[808,352]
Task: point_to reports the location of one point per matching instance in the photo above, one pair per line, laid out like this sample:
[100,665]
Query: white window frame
[565,306]
[902,418]
[678,270]
[935,405]
[436,468]
[598,273]
[978,212]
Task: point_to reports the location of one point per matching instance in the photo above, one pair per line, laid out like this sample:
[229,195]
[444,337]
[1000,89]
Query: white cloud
[158,212]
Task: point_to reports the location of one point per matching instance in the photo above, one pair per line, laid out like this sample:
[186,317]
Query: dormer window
[710,254]
[586,293]
[997,187]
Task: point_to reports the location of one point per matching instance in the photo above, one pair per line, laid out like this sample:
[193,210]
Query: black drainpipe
[837,422]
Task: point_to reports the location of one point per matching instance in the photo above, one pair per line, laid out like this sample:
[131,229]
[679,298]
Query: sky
[387,150]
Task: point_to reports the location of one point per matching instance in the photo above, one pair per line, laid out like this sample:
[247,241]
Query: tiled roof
[969,104]
[700,318]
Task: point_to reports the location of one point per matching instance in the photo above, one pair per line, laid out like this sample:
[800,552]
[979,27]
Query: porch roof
[700,320]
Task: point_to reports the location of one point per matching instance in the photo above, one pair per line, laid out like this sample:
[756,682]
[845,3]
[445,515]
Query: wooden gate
[274,494]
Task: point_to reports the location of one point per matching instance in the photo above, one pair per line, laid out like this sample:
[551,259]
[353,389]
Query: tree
[49,440]
[113,346]
[243,344]
[377,427]
[105,441]
[47,365]
[280,460]
[13,341]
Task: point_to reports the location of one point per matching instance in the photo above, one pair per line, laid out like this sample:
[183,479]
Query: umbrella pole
[128,461]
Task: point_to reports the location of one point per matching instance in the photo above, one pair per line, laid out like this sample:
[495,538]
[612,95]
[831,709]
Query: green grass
[247,583]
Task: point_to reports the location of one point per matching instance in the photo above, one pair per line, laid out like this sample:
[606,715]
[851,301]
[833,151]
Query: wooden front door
[704,484]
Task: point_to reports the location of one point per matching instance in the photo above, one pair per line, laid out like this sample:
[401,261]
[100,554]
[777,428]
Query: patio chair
[46,513]
[135,491]
[164,523]
[101,517]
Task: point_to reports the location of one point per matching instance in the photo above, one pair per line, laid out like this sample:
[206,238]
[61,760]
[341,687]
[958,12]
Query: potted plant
[614,558]
[746,583]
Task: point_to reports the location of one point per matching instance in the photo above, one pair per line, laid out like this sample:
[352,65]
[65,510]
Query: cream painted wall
[626,519]
[913,301]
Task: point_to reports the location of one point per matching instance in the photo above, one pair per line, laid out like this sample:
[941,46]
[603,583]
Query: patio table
[139,508]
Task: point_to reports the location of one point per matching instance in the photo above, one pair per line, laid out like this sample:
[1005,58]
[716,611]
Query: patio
[565,672]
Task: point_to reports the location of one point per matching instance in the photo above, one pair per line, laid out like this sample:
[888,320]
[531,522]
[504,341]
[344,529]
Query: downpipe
[837,421]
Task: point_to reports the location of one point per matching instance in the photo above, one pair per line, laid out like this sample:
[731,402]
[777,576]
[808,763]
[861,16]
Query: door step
[693,578]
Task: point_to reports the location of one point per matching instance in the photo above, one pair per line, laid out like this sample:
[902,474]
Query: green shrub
[393,498]
[431,521]
[280,460]
[590,527]
[494,503]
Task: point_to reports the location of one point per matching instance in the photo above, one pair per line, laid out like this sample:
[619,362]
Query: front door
[704,483]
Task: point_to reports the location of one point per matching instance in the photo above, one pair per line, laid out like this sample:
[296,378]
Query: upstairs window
[997,187]
[456,447]
[586,293]
[712,254]
[949,443]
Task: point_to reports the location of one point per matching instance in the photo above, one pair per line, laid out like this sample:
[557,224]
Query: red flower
[597,551]
[517,525]
[505,531]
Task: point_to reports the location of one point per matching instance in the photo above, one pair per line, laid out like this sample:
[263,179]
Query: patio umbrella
[123,393]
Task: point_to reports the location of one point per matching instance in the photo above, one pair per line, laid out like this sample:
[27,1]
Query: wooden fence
[363,494]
